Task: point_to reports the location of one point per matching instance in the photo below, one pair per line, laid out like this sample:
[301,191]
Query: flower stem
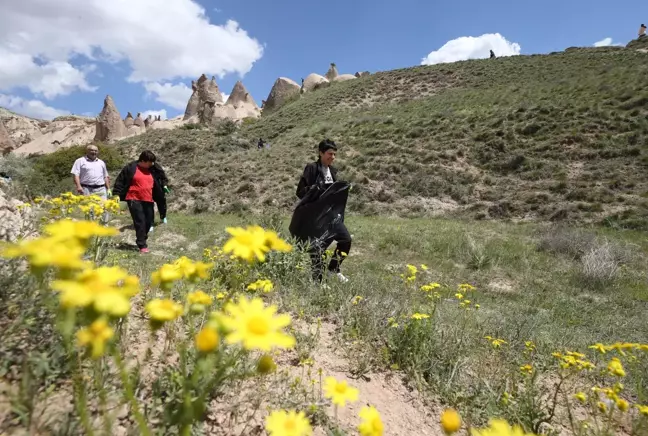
[130,396]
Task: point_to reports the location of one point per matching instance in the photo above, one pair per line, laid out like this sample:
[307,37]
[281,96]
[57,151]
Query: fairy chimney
[282,90]
[332,72]
[240,96]
[109,124]
[148,121]
[6,143]
[128,121]
[194,102]
[139,122]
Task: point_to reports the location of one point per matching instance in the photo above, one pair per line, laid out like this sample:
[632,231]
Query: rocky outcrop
[194,102]
[15,221]
[344,77]
[283,90]
[314,81]
[128,121]
[139,122]
[332,73]
[208,90]
[362,74]
[109,123]
[21,129]
[6,143]
[242,102]
[148,121]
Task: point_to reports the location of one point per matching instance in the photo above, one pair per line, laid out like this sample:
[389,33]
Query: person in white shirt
[90,174]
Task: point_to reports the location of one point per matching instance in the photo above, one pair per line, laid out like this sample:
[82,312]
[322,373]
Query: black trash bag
[318,214]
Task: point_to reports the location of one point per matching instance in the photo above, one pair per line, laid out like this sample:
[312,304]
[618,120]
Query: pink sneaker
[144,250]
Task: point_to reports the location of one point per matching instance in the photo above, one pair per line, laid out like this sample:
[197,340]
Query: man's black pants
[341,235]
[162,207]
[142,213]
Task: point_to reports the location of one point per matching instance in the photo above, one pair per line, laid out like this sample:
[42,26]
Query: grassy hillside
[555,137]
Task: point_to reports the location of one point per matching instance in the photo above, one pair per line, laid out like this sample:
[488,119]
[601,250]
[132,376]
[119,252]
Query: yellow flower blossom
[526,369]
[419,316]
[163,310]
[254,326]
[371,424]
[166,275]
[95,337]
[199,297]
[81,230]
[642,409]
[430,287]
[424,267]
[615,367]
[499,427]
[450,421]
[274,242]
[602,407]
[599,347]
[191,270]
[249,244]
[207,340]
[357,299]
[47,252]
[581,397]
[265,286]
[465,287]
[288,423]
[622,405]
[339,392]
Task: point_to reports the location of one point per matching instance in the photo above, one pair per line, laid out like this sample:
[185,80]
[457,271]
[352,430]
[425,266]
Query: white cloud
[225,97]
[606,42]
[470,47]
[175,96]
[162,113]
[31,108]
[39,40]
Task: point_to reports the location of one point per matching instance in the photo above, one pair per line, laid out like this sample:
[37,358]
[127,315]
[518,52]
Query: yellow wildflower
[450,421]
[430,287]
[81,230]
[339,391]
[615,367]
[465,287]
[371,424]
[424,267]
[288,423]
[274,242]
[254,326]
[266,365]
[199,297]
[459,296]
[191,270]
[598,347]
[207,340]
[264,285]
[248,244]
[642,409]
[412,270]
[497,343]
[47,252]
[95,337]
[419,316]
[581,397]
[357,299]
[499,427]
[163,310]
[526,369]
[166,275]
[622,405]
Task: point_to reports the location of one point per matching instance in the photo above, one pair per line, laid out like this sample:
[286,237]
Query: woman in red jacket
[138,185]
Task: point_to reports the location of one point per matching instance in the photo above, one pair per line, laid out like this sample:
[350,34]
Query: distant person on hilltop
[642,31]
[492,54]
[90,174]
[260,144]
[137,184]
[318,218]
[160,199]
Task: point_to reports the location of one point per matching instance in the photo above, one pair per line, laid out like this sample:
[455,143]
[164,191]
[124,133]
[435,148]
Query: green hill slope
[552,137]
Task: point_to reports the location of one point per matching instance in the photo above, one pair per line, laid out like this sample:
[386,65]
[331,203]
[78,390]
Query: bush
[600,265]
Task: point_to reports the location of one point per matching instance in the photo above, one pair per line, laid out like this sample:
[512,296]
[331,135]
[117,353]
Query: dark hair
[146,156]
[326,145]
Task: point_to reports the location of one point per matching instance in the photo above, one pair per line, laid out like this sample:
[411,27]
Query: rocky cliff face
[6,143]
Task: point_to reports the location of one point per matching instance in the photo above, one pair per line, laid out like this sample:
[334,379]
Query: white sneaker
[340,277]
[151,229]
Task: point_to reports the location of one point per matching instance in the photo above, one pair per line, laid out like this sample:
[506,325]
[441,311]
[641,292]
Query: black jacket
[125,178]
[313,178]
[158,171]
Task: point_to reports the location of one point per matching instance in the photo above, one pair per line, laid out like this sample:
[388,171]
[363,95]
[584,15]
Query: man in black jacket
[160,200]
[318,176]
[137,184]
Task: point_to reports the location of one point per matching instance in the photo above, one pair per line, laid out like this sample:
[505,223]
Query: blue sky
[91,50]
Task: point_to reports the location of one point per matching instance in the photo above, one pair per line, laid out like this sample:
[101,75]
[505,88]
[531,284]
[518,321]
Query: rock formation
[332,72]
[242,102]
[194,102]
[15,222]
[128,121]
[148,121]
[109,123]
[6,143]
[314,81]
[282,90]
[139,122]
[362,74]
[344,77]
